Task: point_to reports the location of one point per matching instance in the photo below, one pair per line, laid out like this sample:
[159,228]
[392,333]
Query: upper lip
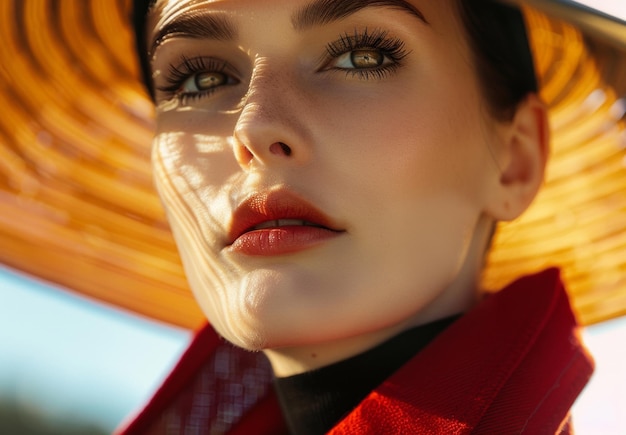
[275,205]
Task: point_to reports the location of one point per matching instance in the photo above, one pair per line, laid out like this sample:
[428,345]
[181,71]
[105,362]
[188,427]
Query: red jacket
[512,365]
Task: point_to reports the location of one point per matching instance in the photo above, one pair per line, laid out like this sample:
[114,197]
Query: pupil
[366,58]
[209,80]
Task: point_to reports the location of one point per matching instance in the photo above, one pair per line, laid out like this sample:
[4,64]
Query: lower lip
[280,241]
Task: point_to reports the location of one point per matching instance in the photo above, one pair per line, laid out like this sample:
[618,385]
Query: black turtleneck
[315,401]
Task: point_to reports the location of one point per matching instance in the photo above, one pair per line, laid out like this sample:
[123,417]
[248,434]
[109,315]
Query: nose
[270,129]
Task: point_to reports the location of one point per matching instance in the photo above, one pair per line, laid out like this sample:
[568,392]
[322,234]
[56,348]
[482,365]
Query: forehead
[299,9]
[242,6]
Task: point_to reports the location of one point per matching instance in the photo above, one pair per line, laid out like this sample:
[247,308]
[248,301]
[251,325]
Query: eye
[196,77]
[365,58]
[204,81]
[365,54]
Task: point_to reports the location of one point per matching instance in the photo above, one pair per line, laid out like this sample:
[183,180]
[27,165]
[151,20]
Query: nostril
[280,148]
[286,149]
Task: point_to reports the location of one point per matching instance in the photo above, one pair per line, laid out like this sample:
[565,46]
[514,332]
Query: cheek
[421,135]
[189,183]
[195,169]
[416,175]
[416,153]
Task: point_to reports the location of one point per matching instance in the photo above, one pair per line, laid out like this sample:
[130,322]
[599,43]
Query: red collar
[514,364]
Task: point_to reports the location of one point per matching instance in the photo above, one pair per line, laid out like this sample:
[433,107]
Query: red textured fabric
[215,388]
[512,365]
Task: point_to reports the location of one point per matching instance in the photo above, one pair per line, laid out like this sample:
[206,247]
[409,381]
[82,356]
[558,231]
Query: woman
[333,173]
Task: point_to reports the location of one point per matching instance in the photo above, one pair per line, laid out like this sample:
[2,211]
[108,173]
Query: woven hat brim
[592,22]
[77,206]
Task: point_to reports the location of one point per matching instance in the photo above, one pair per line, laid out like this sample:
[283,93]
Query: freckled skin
[407,163]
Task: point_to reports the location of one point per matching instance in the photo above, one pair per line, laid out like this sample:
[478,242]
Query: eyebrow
[321,12]
[316,13]
[196,25]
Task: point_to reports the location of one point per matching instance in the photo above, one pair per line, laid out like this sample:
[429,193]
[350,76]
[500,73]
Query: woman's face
[324,164]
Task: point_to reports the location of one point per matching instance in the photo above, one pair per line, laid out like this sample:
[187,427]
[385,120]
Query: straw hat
[77,206]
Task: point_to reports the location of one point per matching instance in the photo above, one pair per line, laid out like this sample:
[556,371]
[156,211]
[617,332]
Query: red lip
[262,208]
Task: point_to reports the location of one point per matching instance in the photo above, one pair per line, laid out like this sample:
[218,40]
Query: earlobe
[523,162]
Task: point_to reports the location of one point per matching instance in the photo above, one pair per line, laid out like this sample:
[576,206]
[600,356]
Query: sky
[600,409]
[612,7]
[68,356]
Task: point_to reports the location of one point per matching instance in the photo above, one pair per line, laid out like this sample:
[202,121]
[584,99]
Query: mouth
[276,223]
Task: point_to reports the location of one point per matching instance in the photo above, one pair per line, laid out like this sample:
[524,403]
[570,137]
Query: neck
[291,361]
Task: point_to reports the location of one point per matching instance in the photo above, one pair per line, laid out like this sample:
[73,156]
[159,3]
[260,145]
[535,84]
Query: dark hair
[138,17]
[502,54]
[498,40]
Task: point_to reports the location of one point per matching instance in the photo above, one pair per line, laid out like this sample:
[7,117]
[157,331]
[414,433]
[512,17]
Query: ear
[522,160]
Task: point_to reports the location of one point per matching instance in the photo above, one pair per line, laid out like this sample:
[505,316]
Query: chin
[240,329]
[269,328]
[252,341]
[258,334]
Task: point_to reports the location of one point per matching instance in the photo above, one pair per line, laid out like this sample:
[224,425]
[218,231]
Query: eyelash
[178,75]
[392,48]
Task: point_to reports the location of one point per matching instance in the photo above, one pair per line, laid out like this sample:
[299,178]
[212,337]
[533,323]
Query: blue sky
[70,356]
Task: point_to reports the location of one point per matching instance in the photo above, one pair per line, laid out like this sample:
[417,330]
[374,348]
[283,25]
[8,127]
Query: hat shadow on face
[77,206]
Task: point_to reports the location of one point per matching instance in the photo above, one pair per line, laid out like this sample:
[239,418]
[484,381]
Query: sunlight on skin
[375,155]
